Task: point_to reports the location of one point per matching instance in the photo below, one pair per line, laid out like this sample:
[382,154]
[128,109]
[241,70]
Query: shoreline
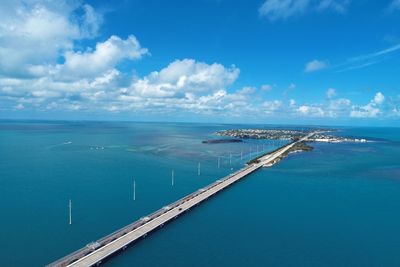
[284,134]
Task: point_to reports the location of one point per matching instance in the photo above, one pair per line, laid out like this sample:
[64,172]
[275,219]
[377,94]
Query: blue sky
[263,61]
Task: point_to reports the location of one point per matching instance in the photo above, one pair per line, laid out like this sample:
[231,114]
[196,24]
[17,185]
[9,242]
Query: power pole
[198,170]
[134,189]
[70,211]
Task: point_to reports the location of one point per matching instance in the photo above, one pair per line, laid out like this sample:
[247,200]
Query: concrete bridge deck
[94,253]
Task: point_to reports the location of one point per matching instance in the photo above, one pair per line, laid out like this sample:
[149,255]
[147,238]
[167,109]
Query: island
[222,141]
[284,134]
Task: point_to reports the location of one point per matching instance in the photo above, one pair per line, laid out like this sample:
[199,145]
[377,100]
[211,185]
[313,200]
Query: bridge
[95,252]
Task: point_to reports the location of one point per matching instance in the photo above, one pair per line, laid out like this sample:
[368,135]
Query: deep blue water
[335,206]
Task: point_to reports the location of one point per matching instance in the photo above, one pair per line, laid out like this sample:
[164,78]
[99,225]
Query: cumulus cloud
[367,111]
[42,68]
[339,103]
[371,110]
[270,107]
[332,108]
[36,32]
[379,98]
[338,107]
[283,9]
[310,111]
[315,65]
[106,56]
[185,77]
[182,85]
[91,62]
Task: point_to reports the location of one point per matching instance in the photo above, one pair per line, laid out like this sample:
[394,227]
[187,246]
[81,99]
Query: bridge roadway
[94,253]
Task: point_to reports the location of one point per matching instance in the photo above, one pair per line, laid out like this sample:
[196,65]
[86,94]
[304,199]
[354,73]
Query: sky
[330,62]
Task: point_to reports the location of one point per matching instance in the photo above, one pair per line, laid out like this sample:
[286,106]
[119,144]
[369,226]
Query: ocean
[335,206]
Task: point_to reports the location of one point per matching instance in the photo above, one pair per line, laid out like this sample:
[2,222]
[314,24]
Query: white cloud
[330,93]
[35,36]
[379,98]
[91,63]
[367,111]
[266,87]
[283,9]
[184,77]
[310,111]
[376,54]
[395,112]
[36,32]
[91,22]
[19,106]
[366,60]
[334,108]
[270,107]
[371,110]
[340,103]
[104,57]
[42,68]
[247,90]
[315,65]
[338,107]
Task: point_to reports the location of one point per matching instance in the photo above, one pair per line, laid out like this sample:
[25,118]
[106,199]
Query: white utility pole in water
[70,211]
[198,170]
[230,159]
[241,155]
[134,189]
[172,177]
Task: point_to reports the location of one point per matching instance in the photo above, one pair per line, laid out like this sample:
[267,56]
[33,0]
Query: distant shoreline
[283,134]
[222,141]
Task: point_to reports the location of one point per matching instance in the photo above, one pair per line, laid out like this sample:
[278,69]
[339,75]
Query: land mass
[222,141]
[321,136]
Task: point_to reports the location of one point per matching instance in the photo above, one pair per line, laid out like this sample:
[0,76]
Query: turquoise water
[336,206]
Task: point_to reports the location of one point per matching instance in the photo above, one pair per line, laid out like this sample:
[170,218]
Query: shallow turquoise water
[335,206]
